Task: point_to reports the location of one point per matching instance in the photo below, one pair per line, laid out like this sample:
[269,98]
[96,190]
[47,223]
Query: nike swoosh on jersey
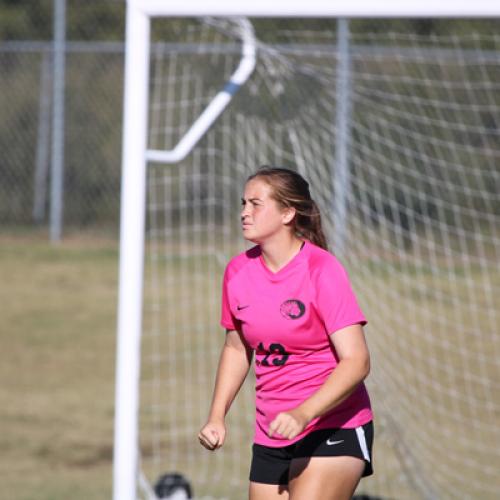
[242,307]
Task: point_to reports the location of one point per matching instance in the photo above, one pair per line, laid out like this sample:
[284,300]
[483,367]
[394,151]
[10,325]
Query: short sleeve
[227,320]
[335,299]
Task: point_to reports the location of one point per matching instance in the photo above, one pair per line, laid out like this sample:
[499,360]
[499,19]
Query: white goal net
[399,136]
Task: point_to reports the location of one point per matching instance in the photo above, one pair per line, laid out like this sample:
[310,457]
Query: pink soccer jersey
[286,317]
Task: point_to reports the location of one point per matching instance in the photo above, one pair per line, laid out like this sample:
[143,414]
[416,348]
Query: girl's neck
[278,253]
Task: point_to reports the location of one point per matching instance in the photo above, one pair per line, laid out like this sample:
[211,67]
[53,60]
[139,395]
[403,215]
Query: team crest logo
[292,309]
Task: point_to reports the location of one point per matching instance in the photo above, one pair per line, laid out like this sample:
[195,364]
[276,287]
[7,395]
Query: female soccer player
[288,301]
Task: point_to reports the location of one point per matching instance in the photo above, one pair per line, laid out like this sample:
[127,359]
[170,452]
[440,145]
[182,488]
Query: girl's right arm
[234,363]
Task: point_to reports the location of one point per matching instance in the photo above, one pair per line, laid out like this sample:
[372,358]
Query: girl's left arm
[352,369]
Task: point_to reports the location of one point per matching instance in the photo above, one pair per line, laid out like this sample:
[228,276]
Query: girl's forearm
[232,370]
[341,383]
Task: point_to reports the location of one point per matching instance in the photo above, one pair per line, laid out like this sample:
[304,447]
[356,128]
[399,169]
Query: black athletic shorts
[272,465]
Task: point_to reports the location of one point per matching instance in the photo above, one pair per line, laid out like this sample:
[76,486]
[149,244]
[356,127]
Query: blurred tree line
[94,80]
[105,20]
[86,20]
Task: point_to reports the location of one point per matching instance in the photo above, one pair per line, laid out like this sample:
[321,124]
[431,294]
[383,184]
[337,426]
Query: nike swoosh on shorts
[329,442]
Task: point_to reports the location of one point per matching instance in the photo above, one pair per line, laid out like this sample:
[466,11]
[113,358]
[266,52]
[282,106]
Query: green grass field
[58,338]
[58,321]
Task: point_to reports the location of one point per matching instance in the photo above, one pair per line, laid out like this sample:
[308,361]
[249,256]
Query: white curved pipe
[216,106]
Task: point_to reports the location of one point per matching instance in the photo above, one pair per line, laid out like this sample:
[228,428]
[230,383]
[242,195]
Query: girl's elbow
[365,367]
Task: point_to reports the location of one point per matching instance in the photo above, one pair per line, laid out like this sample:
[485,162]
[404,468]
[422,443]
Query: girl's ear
[288,215]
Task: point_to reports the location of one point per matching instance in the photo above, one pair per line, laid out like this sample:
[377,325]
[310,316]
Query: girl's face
[261,216]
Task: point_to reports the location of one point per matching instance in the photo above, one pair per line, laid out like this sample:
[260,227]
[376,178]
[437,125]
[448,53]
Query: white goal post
[135,158]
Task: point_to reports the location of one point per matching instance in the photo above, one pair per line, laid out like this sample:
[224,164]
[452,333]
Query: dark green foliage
[299,95]
[85,19]
[25,19]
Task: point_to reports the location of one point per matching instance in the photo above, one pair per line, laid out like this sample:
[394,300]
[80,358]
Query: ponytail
[308,224]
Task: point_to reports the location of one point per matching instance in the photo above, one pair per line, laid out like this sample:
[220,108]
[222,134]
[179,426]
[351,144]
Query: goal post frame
[320,8]
[132,221]
[134,163]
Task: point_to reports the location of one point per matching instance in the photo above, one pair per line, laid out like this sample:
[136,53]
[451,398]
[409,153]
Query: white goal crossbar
[135,157]
[321,8]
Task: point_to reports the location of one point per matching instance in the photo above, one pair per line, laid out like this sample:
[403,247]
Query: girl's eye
[253,203]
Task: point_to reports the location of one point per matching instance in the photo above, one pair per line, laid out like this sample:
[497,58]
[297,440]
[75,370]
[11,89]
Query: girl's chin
[250,238]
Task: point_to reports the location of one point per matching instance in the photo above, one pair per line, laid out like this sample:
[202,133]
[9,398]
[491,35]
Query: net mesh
[401,146]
